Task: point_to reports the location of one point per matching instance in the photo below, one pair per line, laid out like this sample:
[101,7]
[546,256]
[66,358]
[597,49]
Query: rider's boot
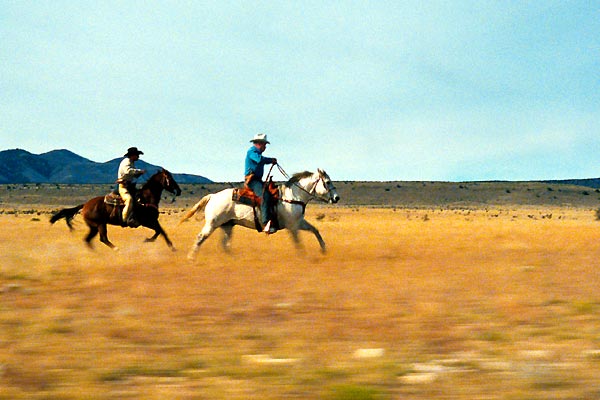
[123,222]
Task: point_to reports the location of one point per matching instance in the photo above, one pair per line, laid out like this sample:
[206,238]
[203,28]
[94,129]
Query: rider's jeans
[257,187]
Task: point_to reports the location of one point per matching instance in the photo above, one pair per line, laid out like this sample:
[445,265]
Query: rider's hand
[274,161]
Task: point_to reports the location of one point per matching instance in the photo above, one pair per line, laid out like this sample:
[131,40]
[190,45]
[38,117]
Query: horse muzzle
[334,199]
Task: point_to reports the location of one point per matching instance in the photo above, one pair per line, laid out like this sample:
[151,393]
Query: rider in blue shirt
[254,170]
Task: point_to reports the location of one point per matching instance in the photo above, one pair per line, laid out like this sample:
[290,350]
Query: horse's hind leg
[92,234]
[202,236]
[104,236]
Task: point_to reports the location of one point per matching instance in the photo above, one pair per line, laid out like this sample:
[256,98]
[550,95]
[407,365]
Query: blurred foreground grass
[407,304]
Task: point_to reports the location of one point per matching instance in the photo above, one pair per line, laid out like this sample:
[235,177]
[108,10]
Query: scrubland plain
[408,303]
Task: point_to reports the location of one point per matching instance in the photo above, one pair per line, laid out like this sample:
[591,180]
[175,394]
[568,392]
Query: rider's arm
[127,172]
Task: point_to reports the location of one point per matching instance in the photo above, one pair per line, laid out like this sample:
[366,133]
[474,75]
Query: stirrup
[268,229]
[131,222]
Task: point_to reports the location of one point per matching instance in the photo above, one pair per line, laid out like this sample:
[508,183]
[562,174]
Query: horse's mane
[152,177]
[297,177]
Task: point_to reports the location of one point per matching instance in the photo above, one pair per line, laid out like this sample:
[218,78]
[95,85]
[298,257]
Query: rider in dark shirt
[254,170]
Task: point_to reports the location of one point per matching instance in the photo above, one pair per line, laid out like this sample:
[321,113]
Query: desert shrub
[584,307]
[354,392]
[126,373]
[493,336]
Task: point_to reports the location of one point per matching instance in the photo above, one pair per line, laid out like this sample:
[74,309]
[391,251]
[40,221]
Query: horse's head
[325,189]
[168,183]
[308,185]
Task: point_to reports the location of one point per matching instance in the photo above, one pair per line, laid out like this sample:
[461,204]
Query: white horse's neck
[303,190]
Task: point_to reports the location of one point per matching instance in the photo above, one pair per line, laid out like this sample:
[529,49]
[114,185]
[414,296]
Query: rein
[155,188]
[150,205]
[285,174]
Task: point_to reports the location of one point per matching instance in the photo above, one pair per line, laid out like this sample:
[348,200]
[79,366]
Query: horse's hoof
[115,248]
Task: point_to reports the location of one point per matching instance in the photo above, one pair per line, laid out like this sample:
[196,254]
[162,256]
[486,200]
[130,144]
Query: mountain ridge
[64,166]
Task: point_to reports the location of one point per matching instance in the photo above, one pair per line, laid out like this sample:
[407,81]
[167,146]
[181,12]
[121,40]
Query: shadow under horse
[97,214]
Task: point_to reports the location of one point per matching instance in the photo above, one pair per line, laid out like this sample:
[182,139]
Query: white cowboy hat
[260,137]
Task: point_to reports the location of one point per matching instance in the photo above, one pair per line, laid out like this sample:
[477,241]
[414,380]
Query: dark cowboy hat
[133,150]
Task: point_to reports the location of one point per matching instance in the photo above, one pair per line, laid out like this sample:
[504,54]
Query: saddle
[246,196]
[114,199]
[274,190]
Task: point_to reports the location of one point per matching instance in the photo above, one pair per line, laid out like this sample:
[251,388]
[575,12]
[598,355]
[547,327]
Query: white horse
[221,211]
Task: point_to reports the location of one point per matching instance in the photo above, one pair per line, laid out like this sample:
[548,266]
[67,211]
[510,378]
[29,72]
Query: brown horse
[97,213]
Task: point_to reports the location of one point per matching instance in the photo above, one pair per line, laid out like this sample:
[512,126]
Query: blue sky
[367,90]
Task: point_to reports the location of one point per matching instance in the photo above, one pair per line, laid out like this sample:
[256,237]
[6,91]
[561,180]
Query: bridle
[328,187]
[166,184]
[312,193]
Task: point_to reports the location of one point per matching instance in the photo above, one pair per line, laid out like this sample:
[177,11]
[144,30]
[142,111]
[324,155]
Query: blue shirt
[255,162]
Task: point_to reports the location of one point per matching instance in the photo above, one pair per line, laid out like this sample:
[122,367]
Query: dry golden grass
[407,304]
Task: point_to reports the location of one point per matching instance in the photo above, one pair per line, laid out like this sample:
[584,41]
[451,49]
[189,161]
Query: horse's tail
[68,214]
[199,206]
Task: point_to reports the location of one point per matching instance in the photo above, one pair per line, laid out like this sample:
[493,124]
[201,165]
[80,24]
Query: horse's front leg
[226,240]
[296,238]
[158,230]
[153,238]
[305,226]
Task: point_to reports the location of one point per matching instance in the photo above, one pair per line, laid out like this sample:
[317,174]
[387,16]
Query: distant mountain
[588,182]
[64,166]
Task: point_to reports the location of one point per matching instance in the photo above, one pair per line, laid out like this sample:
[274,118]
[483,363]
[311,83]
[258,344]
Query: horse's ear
[321,172]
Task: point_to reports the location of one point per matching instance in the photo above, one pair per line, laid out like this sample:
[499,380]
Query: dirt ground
[484,303]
